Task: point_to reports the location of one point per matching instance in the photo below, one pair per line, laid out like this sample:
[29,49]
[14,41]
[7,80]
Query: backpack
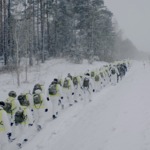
[23,101]
[75,81]
[86,82]
[8,107]
[52,89]
[92,74]
[37,87]
[37,99]
[19,117]
[113,71]
[66,84]
[97,78]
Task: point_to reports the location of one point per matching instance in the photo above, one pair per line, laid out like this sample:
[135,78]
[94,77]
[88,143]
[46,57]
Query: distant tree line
[72,29]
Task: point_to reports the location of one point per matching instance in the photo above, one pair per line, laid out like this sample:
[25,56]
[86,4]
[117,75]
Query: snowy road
[118,118]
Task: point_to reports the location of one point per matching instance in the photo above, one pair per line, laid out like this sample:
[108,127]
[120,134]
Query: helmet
[12,94]
[87,74]
[2,104]
[55,80]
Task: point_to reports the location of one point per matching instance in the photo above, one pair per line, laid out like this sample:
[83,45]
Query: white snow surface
[118,118]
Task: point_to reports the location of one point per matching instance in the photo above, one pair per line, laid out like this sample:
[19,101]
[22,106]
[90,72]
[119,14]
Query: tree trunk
[1,27]
[4,35]
[42,30]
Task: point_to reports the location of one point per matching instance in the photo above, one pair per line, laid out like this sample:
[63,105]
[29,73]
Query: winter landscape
[71,77]
[117,118]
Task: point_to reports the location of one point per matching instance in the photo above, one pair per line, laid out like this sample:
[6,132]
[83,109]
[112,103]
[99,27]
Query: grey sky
[133,17]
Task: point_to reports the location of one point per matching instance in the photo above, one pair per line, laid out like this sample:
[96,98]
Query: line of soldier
[20,116]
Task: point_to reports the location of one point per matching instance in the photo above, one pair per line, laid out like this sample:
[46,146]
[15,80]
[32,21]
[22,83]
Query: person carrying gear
[55,96]
[11,107]
[81,93]
[26,102]
[77,88]
[40,109]
[97,82]
[87,87]
[107,75]
[125,67]
[5,129]
[68,91]
[120,71]
[92,75]
[23,121]
[102,76]
[114,75]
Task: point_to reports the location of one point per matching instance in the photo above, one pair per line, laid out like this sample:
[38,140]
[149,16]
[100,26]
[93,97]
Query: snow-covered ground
[118,118]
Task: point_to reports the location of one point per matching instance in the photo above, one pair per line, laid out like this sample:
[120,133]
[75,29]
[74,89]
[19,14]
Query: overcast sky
[133,17]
